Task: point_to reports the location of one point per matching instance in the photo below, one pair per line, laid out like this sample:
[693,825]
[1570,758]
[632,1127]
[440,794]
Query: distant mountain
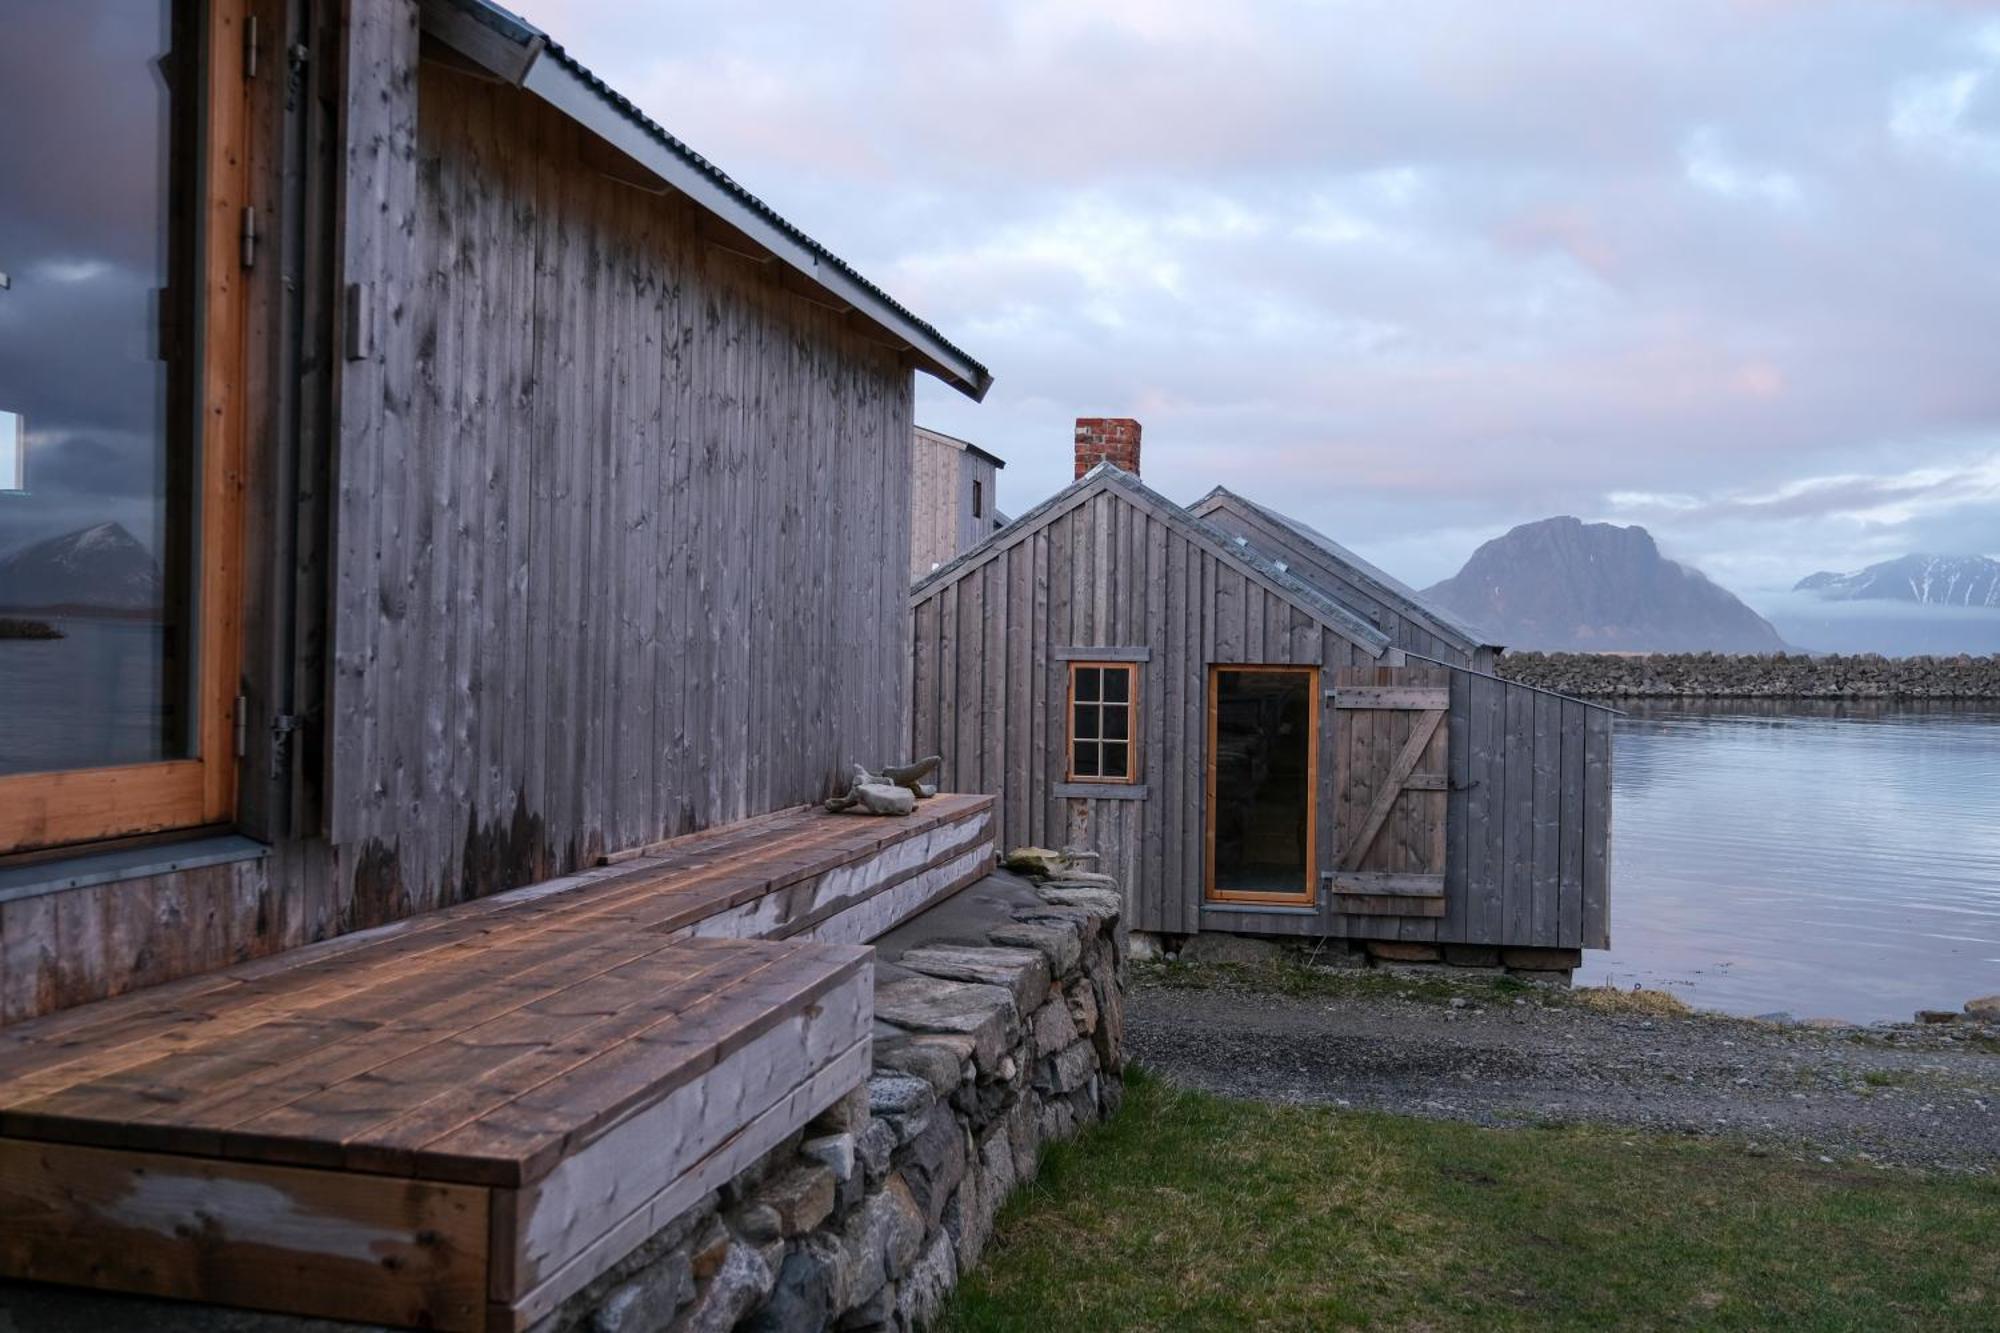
[1563,584]
[102,568]
[1928,580]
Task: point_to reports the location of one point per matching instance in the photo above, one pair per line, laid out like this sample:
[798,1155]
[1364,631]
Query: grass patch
[1638,1000]
[1192,1211]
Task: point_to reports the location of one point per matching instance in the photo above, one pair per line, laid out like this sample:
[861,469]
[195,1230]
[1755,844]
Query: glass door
[1263,780]
[111,347]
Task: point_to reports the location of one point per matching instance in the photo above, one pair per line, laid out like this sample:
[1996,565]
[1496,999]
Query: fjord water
[1819,859]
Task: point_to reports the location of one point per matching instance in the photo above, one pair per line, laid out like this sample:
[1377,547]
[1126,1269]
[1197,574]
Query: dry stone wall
[1779,676]
[986,1049]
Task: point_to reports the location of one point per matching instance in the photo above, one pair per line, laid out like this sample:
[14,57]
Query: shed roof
[967,445]
[1108,476]
[1391,588]
[510,48]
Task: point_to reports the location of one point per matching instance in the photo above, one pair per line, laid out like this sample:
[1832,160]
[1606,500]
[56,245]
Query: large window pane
[1261,817]
[97,362]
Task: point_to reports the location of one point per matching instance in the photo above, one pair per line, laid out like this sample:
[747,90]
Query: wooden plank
[1545,913]
[1458,924]
[1518,816]
[1386,883]
[1415,697]
[1570,825]
[368,1248]
[1109,653]
[1597,829]
[1420,909]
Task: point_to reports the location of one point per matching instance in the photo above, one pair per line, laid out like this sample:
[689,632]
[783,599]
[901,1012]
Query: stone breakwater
[983,1053]
[1780,676]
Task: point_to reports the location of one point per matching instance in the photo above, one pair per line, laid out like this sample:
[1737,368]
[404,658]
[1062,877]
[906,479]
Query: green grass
[1197,1212]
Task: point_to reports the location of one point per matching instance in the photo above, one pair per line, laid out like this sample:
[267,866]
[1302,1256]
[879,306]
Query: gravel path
[1903,1095]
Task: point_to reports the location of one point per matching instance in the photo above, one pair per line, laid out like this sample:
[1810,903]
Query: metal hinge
[249,46]
[242,720]
[249,236]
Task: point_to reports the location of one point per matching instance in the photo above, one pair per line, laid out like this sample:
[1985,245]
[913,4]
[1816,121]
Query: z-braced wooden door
[1391,776]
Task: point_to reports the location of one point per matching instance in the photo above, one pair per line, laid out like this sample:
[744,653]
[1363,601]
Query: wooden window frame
[978,498]
[1308,894]
[41,810]
[1131,705]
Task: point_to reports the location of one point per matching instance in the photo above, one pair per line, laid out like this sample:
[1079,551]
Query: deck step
[459,1122]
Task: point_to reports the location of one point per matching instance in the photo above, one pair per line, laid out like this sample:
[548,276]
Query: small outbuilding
[952,488]
[1258,731]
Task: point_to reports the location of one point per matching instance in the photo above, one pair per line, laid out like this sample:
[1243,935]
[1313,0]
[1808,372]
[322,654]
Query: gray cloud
[1422,272]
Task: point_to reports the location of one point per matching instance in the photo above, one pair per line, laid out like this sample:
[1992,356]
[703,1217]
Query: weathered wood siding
[1529,818]
[1527,813]
[1405,625]
[942,524]
[621,523]
[620,536]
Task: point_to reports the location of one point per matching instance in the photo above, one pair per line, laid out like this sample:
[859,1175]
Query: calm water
[94,697]
[1819,859]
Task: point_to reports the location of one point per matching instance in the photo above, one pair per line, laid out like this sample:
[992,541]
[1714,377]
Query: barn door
[1390,742]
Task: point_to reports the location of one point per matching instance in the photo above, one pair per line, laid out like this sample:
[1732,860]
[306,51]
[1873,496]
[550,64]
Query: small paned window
[1101,698]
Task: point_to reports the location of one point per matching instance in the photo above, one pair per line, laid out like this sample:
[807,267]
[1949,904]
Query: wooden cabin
[1259,732]
[501,528]
[952,488]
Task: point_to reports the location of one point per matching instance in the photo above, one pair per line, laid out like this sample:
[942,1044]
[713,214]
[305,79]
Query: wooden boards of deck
[523,1088]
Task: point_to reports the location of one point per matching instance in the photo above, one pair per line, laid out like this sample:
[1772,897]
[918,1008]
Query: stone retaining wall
[987,1047]
[1781,676]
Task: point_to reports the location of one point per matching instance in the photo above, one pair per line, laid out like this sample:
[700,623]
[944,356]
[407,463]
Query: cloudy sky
[1727,268]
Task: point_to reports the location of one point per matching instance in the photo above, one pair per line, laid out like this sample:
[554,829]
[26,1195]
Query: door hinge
[249,236]
[242,720]
[249,46]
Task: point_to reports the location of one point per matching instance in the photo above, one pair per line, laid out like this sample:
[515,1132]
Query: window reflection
[97,358]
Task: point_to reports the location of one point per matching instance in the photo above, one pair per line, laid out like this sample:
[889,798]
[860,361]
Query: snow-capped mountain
[97,568]
[1929,580]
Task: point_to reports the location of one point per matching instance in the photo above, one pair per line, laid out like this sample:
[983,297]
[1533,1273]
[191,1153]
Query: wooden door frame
[40,810]
[1308,894]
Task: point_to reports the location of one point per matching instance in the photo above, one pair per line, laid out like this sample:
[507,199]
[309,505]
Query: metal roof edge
[964,444]
[558,78]
[1452,624]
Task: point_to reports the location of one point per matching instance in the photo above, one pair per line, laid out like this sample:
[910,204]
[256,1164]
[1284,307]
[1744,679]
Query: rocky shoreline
[1777,676]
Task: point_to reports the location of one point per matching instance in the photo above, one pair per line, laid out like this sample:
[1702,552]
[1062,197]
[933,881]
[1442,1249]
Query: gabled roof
[1445,623]
[1108,477]
[511,49]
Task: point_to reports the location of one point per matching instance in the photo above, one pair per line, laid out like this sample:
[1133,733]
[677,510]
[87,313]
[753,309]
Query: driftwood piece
[894,791]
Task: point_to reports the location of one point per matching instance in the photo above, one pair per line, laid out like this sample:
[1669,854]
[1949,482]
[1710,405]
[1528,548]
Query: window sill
[1283,909]
[92,868]
[1102,791]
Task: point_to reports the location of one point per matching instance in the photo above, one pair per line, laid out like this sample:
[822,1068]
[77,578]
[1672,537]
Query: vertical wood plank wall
[1527,815]
[942,524]
[620,536]
[638,530]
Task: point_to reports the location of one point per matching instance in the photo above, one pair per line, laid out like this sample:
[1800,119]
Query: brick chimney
[1113,440]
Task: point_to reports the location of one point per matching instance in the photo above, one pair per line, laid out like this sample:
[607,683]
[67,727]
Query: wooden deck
[459,1120]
